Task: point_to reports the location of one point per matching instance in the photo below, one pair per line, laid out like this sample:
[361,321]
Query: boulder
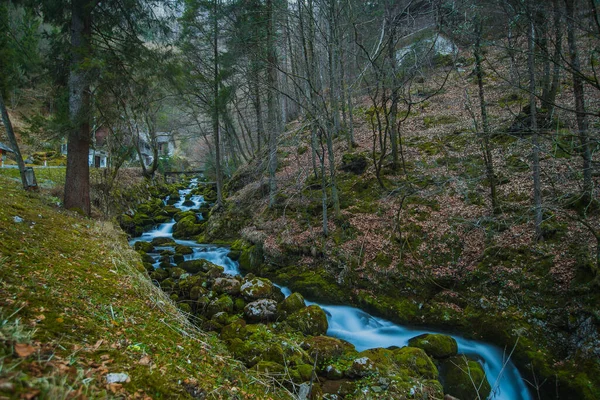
[229,286]
[163,241]
[328,348]
[435,345]
[146,247]
[310,320]
[261,310]
[183,250]
[465,378]
[257,288]
[221,304]
[361,367]
[176,272]
[195,266]
[236,329]
[187,227]
[415,362]
[294,302]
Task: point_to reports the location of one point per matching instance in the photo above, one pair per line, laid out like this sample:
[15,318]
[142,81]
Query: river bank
[205,289]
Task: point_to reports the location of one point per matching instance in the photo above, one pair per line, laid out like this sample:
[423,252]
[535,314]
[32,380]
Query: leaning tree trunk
[13,141]
[77,181]
[215,121]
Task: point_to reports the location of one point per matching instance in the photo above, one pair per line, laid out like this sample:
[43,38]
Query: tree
[18,52]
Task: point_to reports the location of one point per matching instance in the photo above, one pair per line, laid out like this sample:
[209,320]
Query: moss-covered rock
[159,274]
[261,310]
[257,288]
[251,258]
[236,329]
[294,302]
[229,286]
[187,227]
[355,163]
[183,250]
[415,362]
[314,285]
[162,241]
[328,348]
[361,367]
[310,320]
[146,247]
[221,304]
[195,266]
[176,272]
[435,345]
[465,378]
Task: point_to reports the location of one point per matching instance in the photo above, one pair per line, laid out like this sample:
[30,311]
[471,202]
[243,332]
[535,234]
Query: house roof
[4,147]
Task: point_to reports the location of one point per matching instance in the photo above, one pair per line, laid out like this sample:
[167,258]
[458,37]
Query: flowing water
[361,329]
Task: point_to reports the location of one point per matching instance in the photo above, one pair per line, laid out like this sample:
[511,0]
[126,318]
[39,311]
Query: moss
[310,320]
[465,379]
[355,163]
[314,285]
[431,121]
[404,310]
[435,345]
[294,302]
[187,227]
[251,258]
[415,362]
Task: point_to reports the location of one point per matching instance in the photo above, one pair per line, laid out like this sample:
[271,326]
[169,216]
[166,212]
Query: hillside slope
[75,308]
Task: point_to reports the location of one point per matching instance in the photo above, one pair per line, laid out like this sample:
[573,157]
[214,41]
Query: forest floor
[75,309]
[426,249]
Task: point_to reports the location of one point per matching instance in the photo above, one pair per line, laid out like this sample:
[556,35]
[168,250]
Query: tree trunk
[487,153]
[580,112]
[272,103]
[77,180]
[537,190]
[215,119]
[13,141]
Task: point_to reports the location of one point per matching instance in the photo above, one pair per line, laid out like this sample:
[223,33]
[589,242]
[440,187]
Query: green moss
[415,362]
[431,121]
[310,320]
[435,345]
[465,379]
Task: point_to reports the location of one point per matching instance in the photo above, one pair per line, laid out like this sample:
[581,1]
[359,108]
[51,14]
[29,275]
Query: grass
[73,290]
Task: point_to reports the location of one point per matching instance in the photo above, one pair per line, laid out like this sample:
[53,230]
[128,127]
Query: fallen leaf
[31,394]
[24,350]
[145,361]
[115,387]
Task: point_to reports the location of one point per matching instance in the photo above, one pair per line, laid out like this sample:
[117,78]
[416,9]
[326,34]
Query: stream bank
[283,335]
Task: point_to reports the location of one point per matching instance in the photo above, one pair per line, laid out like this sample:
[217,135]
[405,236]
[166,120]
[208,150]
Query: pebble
[17,219]
[117,377]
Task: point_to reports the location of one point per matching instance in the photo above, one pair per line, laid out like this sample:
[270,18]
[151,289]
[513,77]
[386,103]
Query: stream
[361,329]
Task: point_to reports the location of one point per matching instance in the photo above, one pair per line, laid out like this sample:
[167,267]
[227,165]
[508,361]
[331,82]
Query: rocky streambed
[330,351]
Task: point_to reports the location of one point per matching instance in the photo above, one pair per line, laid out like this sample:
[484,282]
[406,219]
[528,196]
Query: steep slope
[75,308]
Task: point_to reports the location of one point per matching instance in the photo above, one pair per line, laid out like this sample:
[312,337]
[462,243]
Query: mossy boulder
[146,247]
[361,367]
[171,210]
[221,304]
[435,345]
[187,227]
[294,302]
[251,258]
[261,310]
[162,242]
[176,272]
[195,266]
[270,367]
[355,163]
[229,286]
[236,329]
[465,378]
[310,320]
[159,274]
[415,362]
[314,285]
[328,348]
[183,250]
[257,288]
